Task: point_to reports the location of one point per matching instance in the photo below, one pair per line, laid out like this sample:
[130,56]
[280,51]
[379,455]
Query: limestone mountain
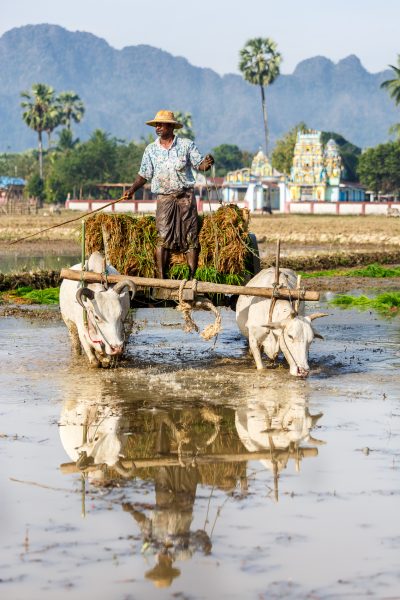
[121,89]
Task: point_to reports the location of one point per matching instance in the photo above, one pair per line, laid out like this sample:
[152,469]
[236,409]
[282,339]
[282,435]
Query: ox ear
[84,293]
[126,283]
[316,316]
[317,334]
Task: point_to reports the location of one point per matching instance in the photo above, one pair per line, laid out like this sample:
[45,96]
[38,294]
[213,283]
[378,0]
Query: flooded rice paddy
[184,473]
[14,263]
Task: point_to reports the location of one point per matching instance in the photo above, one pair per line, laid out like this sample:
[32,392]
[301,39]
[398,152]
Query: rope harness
[294,306]
[186,309]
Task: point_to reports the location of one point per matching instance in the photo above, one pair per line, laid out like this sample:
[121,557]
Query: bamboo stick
[202,286]
[206,459]
[277,260]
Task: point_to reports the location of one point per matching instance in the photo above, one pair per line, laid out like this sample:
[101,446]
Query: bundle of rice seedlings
[224,240]
[131,244]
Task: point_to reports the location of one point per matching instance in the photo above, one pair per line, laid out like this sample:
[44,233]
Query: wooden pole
[206,459]
[105,244]
[202,286]
[277,260]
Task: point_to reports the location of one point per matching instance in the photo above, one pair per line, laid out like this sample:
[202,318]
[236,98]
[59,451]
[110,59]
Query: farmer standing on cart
[168,163]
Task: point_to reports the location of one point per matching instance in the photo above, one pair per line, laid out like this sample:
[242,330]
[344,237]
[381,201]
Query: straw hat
[165,116]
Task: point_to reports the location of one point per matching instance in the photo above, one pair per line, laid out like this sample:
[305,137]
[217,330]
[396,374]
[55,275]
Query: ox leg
[255,350]
[74,336]
[90,353]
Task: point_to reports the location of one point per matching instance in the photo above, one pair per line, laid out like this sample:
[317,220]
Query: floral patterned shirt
[170,170]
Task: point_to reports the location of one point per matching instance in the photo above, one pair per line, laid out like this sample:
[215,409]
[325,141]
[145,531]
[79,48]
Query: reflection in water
[178,450]
[278,423]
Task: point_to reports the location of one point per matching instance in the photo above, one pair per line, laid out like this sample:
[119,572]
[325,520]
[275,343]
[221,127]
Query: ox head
[295,335]
[106,310]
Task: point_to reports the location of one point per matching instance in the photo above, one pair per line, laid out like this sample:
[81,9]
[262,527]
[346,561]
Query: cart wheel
[256,263]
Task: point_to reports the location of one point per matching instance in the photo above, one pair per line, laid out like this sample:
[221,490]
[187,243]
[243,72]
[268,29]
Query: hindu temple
[317,171]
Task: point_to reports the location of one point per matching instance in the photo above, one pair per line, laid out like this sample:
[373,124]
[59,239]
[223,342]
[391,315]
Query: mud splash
[197,476]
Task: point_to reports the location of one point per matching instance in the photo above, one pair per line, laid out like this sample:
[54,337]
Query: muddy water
[173,502]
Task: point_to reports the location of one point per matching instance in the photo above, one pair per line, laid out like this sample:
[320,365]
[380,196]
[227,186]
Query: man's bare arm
[136,185]
[206,163]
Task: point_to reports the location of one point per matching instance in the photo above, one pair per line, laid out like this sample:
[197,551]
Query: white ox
[288,331]
[101,334]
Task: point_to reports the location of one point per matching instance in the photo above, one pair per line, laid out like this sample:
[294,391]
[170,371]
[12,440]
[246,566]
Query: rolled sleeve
[194,155]
[146,168]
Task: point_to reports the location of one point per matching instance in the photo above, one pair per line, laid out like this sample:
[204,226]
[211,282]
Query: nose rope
[98,330]
[287,348]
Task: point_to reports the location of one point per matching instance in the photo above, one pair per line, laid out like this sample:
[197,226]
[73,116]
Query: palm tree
[259,65]
[186,120]
[37,106]
[72,108]
[53,120]
[393,87]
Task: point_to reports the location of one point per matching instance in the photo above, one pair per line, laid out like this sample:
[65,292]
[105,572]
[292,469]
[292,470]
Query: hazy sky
[209,33]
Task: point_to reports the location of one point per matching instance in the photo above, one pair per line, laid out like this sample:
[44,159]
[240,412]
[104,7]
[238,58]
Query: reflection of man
[168,163]
[166,531]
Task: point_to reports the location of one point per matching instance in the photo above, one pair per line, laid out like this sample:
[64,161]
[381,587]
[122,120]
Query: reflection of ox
[278,423]
[95,315]
[93,434]
[286,330]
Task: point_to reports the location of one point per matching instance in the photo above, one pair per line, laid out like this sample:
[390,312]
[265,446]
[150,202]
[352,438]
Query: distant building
[317,172]
[12,198]
[257,187]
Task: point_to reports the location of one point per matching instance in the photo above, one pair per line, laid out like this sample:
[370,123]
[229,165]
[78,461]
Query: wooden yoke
[202,287]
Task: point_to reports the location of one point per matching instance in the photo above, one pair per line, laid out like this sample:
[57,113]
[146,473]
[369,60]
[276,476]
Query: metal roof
[6,182]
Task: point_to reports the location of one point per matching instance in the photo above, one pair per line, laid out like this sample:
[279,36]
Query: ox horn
[311,440]
[125,472]
[123,284]
[86,293]
[317,316]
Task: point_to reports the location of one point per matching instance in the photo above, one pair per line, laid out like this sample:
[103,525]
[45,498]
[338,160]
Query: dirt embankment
[333,232]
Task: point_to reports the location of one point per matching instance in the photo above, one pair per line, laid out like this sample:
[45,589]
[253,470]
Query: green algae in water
[46,296]
[387,303]
[374,270]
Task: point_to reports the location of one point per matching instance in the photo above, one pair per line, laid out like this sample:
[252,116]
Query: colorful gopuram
[316,171]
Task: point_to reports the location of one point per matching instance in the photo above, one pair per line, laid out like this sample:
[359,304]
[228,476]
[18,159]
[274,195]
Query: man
[168,163]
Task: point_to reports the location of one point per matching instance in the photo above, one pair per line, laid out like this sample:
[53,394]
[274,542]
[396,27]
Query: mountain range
[121,89]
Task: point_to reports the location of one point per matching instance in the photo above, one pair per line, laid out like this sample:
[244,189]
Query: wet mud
[185,473]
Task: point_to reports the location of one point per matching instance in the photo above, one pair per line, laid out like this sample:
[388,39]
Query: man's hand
[137,184]
[206,163]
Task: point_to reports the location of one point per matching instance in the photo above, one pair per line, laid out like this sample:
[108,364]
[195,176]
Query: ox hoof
[94,364]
